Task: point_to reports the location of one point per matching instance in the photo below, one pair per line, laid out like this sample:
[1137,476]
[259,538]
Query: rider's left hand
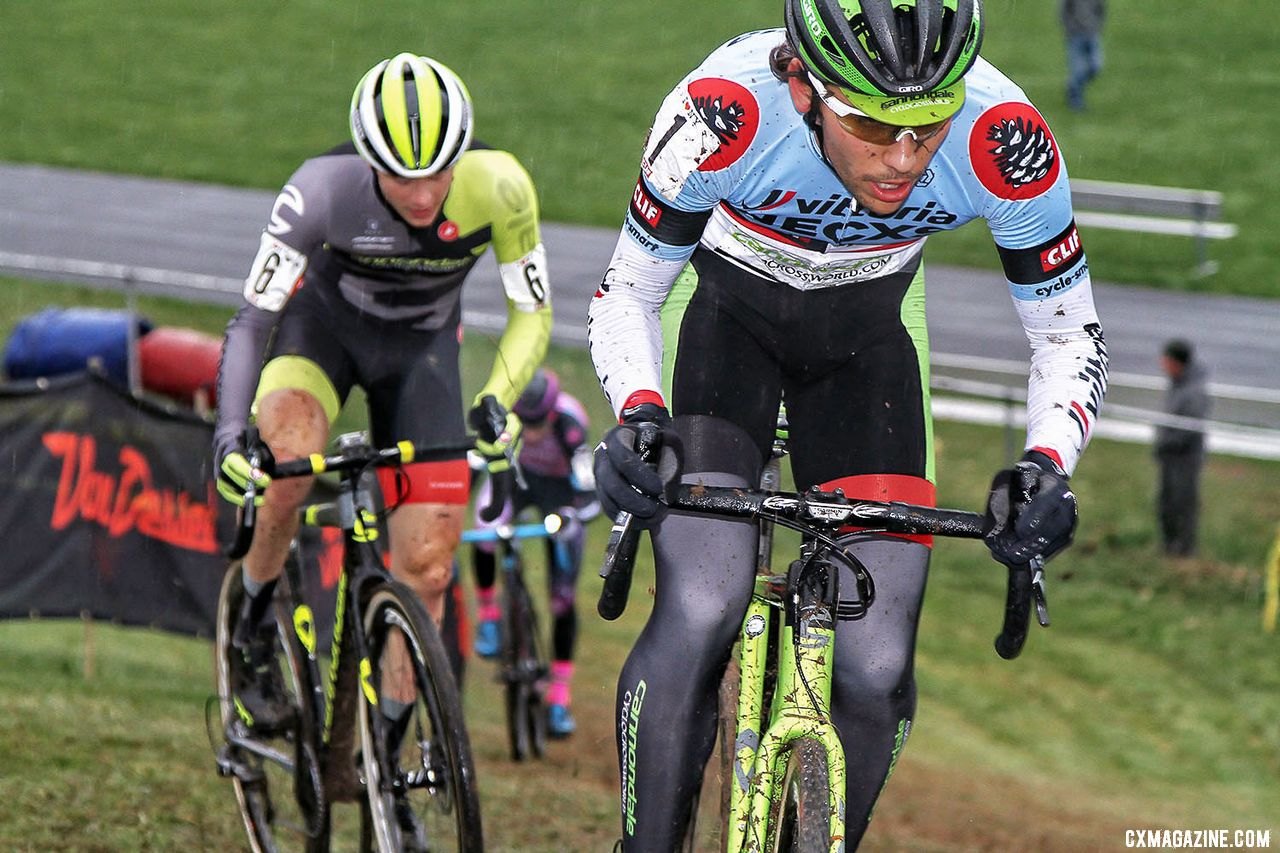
[491,441]
[1031,511]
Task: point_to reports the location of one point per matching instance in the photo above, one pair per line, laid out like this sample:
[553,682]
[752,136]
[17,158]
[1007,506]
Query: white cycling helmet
[411,116]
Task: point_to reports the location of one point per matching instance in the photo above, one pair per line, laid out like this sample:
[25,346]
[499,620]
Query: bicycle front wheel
[524,672]
[804,815]
[270,773]
[419,774]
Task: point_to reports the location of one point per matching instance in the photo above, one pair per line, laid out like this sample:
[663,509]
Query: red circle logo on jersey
[448,231]
[732,114]
[1013,153]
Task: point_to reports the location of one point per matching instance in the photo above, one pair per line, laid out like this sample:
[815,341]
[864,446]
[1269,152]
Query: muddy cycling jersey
[331,225]
[728,165]
[332,234]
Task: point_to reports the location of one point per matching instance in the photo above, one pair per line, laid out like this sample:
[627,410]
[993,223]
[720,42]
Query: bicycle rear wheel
[422,786]
[523,671]
[263,769]
[803,823]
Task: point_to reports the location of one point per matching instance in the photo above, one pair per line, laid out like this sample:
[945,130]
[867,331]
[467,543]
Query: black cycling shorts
[851,362]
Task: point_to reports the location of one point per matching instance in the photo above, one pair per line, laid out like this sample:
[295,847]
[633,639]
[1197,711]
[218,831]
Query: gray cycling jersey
[331,232]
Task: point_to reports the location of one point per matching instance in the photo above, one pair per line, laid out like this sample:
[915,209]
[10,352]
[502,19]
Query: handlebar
[549,526]
[824,512]
[354,455]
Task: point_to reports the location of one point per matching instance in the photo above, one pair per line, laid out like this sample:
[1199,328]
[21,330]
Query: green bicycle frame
[801,699]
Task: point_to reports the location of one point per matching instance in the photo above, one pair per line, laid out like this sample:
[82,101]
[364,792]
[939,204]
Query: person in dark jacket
[1179,449]
[1082,26]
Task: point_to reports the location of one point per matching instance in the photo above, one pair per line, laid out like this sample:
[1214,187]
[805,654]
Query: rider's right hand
[235,472]
[623,480]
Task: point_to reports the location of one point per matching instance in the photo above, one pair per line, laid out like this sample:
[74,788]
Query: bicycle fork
[801,699]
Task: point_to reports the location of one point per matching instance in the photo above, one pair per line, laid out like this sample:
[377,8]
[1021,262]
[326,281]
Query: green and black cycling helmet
[411,116]
[899,61]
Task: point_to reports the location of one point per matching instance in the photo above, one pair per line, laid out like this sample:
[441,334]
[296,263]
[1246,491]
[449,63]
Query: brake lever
[1038,591]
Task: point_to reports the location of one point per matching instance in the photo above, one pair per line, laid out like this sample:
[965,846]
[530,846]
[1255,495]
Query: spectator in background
[1179,449]
[1082,24]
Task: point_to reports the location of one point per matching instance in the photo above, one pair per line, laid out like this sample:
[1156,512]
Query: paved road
[197,240]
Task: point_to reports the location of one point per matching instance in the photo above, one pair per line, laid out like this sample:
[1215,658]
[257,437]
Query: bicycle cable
[847,609]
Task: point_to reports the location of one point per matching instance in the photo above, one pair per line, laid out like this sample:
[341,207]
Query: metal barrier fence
[1000,403]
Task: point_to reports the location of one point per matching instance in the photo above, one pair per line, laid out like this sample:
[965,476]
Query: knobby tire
[432,765]
[803,823]
[265,791]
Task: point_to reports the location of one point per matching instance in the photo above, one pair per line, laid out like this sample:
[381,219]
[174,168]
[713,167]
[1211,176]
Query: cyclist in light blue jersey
[772,250]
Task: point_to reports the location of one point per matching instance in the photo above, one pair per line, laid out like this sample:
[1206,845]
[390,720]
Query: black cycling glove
[497,430]
[624,480]
[1031,511]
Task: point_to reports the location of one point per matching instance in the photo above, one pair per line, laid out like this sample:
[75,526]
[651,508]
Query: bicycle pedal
[229,767]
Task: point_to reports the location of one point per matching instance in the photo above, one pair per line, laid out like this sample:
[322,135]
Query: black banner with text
[107,508]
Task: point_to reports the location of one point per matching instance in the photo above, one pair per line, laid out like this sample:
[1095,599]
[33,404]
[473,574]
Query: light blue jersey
[730,165]
[727,141]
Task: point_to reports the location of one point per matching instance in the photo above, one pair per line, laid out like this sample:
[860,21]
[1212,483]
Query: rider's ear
[802,94]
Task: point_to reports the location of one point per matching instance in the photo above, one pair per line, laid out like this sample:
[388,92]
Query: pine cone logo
[724,120]
[1024,151]
[1013,152]
[728,110]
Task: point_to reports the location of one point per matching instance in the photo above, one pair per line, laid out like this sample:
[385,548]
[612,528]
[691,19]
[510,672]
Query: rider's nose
[903,154]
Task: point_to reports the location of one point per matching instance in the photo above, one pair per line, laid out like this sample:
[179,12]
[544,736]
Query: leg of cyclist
[414,394]
[423,539]
[424,530]
[484,564]
[293,421]
[564,559]
[725,410]
[668,686]
[874,692]
[877,398]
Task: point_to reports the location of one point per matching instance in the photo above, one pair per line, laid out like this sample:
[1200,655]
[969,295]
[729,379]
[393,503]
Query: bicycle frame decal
[339,624]
[801,695]
[365,526]
[630,727]
[366,682]
[304,625]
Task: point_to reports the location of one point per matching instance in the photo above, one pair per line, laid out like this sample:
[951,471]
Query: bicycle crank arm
[258,748]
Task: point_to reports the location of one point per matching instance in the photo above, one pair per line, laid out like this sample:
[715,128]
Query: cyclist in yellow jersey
[358,282]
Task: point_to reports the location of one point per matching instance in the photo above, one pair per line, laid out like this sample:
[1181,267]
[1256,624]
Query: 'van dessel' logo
[127,501]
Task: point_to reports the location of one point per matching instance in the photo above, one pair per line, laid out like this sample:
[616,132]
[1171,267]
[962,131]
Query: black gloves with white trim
[627,482]
[1031,511]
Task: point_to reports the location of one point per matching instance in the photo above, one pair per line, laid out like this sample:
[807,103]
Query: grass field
[1153,701]
[242,96]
